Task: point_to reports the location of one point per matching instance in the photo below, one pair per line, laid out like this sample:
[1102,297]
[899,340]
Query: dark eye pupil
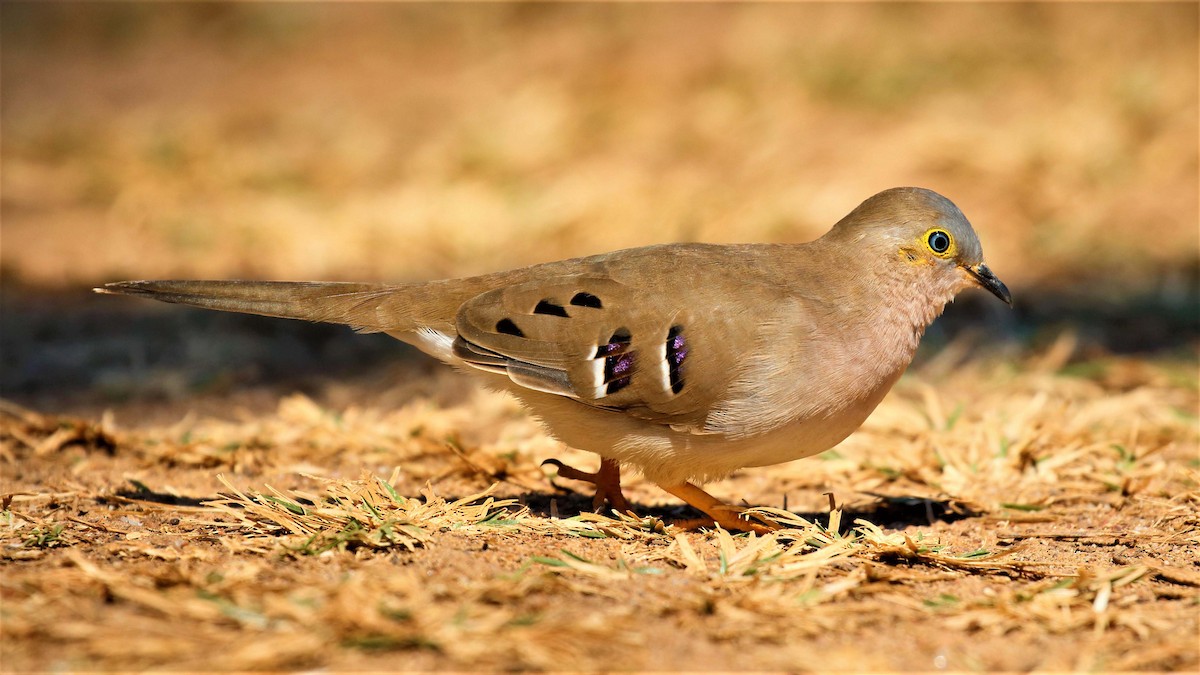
[939,242]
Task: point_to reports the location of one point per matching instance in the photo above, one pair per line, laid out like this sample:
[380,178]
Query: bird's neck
[888,304]
[910,300]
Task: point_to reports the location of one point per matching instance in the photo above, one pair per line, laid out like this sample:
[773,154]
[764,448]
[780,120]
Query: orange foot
[726,515]
[607,480]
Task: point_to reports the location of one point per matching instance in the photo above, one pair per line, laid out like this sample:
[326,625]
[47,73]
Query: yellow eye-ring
[940,242]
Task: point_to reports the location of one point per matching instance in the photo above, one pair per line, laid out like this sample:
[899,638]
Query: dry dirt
[194,491]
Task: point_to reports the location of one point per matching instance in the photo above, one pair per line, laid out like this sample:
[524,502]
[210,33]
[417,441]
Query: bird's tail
[365,307]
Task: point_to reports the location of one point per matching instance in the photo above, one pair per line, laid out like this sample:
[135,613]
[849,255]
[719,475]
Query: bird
[684,361]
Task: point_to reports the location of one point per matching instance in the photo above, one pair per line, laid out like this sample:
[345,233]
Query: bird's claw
[607,480]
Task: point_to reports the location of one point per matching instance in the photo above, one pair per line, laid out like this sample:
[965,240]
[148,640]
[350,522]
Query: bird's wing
[604,343]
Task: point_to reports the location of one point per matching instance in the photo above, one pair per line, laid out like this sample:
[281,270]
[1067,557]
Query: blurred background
[398,142]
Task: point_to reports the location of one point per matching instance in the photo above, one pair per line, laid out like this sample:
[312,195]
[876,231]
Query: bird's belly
[669,456]
[705,458]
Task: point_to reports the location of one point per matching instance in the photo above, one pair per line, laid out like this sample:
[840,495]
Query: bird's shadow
[140,493]
[886,511]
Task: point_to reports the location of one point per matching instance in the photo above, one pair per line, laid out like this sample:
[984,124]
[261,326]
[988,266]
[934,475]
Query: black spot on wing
[507,327]
[619,360]
[618,371]
[617,385]
[584,299]
[550,307]
[618,343]
[676,353]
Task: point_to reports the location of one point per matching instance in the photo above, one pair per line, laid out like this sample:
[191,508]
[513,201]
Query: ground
[995,513]
[200,491]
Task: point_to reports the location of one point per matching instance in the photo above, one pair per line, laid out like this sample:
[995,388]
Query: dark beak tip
[991,283]
[1000,291]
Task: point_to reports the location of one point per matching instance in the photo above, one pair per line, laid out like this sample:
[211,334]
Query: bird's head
[920,231]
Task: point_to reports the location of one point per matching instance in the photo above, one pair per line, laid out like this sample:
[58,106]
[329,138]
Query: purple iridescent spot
[610,348]
[676,352]
[676,346]
[618,360]
[620,365]
[619,342]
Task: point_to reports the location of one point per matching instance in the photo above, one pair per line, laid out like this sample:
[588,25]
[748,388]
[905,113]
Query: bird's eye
[939,241]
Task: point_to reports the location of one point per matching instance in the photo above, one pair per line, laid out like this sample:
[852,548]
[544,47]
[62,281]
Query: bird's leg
[725,515]
[607,480]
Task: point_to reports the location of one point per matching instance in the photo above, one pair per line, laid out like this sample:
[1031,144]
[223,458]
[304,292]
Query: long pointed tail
[366,307]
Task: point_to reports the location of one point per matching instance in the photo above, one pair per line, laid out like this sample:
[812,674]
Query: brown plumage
[686,361]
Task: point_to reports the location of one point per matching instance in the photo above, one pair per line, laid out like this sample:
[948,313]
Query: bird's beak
[988,281]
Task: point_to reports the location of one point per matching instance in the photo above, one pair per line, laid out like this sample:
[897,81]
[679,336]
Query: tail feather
[353,304]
